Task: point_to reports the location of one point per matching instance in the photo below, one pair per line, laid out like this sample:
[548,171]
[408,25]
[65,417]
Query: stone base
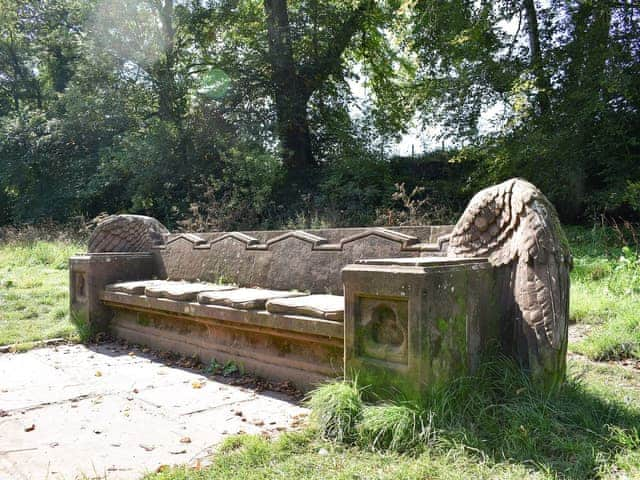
[413,325]
[302,350]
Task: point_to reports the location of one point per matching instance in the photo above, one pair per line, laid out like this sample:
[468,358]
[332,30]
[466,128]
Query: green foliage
[154,107]
[353,187]
[564,85]
[225,369]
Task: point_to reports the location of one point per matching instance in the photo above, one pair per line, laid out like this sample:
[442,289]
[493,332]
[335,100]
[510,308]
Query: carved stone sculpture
[515,225]
[127,233]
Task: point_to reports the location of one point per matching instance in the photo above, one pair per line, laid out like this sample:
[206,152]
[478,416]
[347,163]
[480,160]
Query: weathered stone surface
[330,307]
[413,328]
[133,288]
[239,318]
[514,224]
[90,274]
[286,260]
[305,347]
[245,298]
[184,291]
[127,233]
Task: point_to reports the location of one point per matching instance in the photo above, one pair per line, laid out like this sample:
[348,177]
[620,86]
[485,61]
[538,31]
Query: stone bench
[405,308]
[270,301]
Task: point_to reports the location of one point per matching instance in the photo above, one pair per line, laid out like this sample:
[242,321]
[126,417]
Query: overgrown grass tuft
[499,413]
[336,410]
[400,428]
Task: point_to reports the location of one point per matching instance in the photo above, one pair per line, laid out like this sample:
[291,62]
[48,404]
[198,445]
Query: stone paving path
[106,412]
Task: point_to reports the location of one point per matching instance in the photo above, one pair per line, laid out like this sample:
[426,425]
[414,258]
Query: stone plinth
[412,325]
[88,276]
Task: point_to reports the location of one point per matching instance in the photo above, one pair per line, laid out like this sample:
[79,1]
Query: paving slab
[107,412]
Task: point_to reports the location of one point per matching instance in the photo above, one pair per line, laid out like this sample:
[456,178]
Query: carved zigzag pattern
[407,242]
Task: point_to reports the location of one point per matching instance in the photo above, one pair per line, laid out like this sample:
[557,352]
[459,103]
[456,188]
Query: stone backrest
[309,260]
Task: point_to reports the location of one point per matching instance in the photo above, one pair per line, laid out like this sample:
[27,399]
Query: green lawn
[34,291]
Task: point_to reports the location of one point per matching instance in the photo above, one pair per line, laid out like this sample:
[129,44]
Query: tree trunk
[167,88]
[535,60]
[291,97]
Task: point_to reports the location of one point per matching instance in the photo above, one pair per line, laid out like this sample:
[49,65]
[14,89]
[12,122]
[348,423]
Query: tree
[290,61]
[561,74]
[294,84]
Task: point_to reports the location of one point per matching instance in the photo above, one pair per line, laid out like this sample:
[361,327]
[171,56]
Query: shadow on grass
[575,434]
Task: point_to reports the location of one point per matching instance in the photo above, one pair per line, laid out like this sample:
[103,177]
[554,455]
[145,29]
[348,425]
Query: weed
[225,369]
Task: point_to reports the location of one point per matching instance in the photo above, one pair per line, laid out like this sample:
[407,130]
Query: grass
[34,291]
[605,294]
[488,429]
[337,409]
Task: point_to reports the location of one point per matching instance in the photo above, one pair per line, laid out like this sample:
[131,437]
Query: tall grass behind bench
[605,291]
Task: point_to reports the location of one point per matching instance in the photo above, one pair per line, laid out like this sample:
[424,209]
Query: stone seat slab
[215,313]
[133,288]
[245,298]
[183,291]
[328,307]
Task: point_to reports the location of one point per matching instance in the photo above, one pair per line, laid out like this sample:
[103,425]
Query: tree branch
[330,60]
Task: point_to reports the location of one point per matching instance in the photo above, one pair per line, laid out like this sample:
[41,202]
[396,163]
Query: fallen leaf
[196,384]
[30,428]
[185,440]
[98,373]
[162,468]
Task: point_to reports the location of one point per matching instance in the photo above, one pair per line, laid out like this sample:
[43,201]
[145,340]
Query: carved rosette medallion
[383,333]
